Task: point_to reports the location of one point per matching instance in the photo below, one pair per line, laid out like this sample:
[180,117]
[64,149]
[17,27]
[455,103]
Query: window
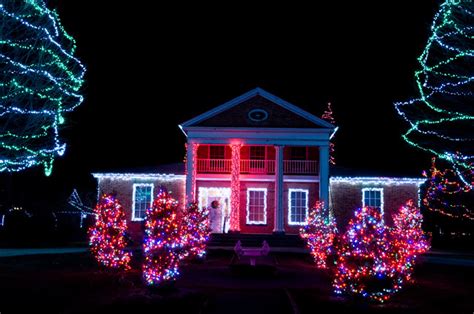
[216,152]
[257,206]
[142,199]
[298,153]
[373,197]
[297,206]
[257,152]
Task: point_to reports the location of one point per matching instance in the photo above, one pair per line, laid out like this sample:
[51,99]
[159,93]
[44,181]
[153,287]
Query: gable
[251,113]
[258,108]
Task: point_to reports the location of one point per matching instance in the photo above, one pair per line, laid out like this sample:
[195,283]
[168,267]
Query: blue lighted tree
[40,80]
[442,116]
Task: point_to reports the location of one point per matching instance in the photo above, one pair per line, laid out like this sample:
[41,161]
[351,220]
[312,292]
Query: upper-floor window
[142,200]
[298,153]
[256,206]
[216,152]
[257,152]
[297,206]
[373,197]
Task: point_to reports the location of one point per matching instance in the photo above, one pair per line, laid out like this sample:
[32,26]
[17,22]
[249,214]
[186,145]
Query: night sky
[152,66]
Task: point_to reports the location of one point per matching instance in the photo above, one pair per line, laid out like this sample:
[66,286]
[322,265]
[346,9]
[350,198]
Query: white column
[324,175]
[279,226]
[234,225]
[191,154]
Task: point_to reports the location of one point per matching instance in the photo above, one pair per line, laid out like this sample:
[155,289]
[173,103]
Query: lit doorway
[217,200]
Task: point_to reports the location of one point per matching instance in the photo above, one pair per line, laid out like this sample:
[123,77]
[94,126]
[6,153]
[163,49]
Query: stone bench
[251,253]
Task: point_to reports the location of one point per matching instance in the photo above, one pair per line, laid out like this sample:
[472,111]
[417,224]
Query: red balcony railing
[300,166]
[257,166]
[214,165]
[253,166]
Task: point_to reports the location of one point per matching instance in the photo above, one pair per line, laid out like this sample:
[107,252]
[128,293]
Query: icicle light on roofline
[139,176]
[377,180]
[40,79]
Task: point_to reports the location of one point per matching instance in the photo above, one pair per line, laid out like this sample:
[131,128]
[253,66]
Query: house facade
[258,163]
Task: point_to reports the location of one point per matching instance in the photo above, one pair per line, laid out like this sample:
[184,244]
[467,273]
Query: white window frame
[297,223]
[371,190]
[254,222]
[135,185]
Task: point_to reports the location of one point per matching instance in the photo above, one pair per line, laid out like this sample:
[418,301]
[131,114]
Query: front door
[217,200]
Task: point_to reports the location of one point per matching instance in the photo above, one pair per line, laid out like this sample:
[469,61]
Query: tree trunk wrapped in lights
[319,232]
[163,245]
[40,80]
[107,236]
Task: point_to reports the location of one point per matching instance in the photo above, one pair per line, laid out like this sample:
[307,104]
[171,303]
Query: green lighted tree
[40,80]
[441,118]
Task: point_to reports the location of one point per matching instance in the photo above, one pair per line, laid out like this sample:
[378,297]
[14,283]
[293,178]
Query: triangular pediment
[258,108]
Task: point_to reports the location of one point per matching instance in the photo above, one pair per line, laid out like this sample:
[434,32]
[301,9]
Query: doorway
[217,200]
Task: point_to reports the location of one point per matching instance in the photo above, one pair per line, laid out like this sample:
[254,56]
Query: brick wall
[347,197]
[124,191]
[313,196]
[248,228]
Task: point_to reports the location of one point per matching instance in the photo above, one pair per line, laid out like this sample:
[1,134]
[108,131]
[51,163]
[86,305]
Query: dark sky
[152,66]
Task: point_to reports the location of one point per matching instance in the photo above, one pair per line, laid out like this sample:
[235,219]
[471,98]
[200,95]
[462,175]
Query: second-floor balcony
[257,166]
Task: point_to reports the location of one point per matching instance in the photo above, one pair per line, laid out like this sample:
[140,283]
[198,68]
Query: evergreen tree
[107,235]
[408,238]
[363,258]
[319,232]
[40,80]
[162,246]
[442,117]
[328,116]
[195,231]
[446,194]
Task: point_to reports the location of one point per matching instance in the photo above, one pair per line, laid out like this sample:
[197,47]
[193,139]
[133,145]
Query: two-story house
[258,163]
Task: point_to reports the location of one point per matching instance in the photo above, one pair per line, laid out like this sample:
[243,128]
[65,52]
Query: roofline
[129,176]
[254,92]
[378,180]
[259,129]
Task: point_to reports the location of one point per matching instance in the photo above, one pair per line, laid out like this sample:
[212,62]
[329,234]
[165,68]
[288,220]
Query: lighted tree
[195,231]
[407,239]
[162,246]
[107,235]
[446,194]
[441,117]
[328,116]
[319,233]
[363,258]
[40,80]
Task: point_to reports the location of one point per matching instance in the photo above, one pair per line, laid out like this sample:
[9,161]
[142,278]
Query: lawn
[73,283]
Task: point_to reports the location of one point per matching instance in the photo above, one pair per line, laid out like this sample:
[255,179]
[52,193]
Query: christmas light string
[319,232]
[445,193]
[445,85]
[163,245]
[107,236]
[40,80]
